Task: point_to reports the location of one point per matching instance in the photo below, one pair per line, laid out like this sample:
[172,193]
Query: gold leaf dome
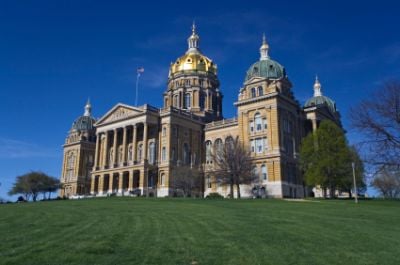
[193,60]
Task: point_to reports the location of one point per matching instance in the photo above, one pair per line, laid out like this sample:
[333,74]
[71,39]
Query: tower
[193,85]
[269,119]
[79,149]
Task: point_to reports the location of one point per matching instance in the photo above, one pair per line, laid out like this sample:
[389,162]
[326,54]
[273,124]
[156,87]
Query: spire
[88,109]
[317,87]
[264,49]
[193,40]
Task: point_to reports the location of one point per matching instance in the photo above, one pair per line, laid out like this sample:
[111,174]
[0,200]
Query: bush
[21,199]
[214,195]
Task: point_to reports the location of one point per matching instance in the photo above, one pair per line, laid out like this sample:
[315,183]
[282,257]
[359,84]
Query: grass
[183,231]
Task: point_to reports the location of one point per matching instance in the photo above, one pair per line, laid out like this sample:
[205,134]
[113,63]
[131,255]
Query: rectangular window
[259,145]
[265,123]
[251,126]
[252,145]
[265,143]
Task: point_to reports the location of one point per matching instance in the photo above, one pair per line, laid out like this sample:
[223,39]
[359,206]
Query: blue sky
[56,54]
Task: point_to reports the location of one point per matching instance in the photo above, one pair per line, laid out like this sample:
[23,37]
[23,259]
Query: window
[258,122]
[152,152]
[164,131]
[259,145]
[265,123]
[218,145]
[252,126]
[187,82]
[264,172]
[252,146]
[176,101]
[260,91]
[163,154]
[140,152]
[253,92]
[208,181]
[186,155]
[130,153]
[162,179]
[188,100]
[208,152]
[265,141]
[202,100]
[173,154]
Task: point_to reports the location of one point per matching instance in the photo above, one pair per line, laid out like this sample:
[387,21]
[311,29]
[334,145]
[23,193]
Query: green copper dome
[319,100]
[266,68]
[84,123]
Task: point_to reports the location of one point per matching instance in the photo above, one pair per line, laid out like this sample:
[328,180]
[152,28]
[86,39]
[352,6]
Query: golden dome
[193,59]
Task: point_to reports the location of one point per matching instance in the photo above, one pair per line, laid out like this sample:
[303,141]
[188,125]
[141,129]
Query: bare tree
[378,119]
[233,164]
[187,180]
[387,182]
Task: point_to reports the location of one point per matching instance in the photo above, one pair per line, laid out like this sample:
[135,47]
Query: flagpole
[137,86]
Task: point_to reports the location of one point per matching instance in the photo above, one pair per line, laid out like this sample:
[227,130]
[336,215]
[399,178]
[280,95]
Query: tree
[378,119]
[387,182]
[325,158]
[233,165]
[187,180]
[32,183]
[346,183]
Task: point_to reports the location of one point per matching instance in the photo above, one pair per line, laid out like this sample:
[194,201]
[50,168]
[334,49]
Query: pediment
[119,112]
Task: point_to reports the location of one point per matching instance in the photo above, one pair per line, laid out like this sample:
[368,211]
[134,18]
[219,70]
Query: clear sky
[56,54]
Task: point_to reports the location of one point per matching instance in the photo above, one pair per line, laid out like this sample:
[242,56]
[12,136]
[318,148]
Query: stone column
[101,184]
[145,141]
[105,150]
[110,183]
[142,181]
[92,184]
[134,142]
[124,146]
[130,183]
[115,147]
[120,182]
[97,149]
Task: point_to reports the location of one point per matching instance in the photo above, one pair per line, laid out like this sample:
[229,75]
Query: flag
[140,70]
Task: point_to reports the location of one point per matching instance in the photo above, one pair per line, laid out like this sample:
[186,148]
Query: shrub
[214,195]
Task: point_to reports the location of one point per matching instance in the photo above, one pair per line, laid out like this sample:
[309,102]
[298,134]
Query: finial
[194,27]
[317,87]
[264,49]
[193,40]
[88,109]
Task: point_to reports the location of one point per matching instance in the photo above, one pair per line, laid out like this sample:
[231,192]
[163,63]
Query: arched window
[163,154]
[162,179]
[202,100]
[140,152]
[186,154]
[208,151]
[264,173]
[218,145]
[152,152]
[253,92]
[260,91]
[258,122]
[188,99]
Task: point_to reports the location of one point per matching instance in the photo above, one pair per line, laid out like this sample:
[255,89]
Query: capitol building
[138,148]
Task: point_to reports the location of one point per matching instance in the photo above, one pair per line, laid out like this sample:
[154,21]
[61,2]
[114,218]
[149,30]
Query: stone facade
[135,149]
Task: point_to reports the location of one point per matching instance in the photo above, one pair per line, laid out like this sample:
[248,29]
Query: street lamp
[354,182]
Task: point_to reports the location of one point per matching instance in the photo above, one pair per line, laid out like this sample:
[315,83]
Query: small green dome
[266,68]
[84,123]
[320,101]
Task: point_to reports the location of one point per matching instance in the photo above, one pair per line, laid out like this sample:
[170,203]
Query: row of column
[120,186]
[104,149]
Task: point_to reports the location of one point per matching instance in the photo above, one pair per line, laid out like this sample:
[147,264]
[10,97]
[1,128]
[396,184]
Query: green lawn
[184,231]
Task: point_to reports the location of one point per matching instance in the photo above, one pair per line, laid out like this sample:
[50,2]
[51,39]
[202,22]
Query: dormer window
[260,91]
